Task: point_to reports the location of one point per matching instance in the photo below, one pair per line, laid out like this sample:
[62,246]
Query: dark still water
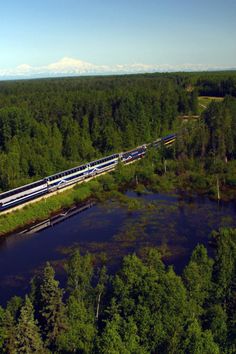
[174,224]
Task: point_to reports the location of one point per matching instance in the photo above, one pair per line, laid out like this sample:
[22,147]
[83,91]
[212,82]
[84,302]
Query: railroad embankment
[147,174]
[46,207]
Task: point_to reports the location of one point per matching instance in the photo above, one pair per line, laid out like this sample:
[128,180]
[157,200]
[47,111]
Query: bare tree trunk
[98,305]
[218,188]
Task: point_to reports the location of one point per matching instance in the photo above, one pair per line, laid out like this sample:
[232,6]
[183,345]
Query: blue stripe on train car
[169,137]
[84,174]
[26,198]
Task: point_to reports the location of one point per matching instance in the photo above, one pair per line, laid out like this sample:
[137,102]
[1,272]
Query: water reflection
[173,223]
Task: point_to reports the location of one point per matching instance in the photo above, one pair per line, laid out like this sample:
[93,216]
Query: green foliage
[9,325]
[217,320]
[28,338]
[44,208]
[80,330]
[198,279]
[198,341]
[79,272]
[212,136]
[49,125]
[120,336]
[143,308]
[51,308]
[2,328]
[225,262]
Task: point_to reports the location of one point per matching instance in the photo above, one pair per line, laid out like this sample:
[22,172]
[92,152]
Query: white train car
[21,194]
[131,155]
[73,175]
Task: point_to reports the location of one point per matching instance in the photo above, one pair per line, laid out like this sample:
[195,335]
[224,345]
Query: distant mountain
[74,67]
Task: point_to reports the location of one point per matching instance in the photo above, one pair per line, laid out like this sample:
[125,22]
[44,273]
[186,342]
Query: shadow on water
[175,224]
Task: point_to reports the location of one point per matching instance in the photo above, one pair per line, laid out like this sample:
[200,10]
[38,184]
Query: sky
[47,37]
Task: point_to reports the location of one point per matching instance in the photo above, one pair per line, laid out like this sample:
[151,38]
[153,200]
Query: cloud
[70,66]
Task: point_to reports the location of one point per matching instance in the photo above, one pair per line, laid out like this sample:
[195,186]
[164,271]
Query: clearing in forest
[204,101]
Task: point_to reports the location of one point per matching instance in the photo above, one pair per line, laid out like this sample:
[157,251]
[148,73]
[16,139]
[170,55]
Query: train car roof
[169,136]
[69,169]
[104,158]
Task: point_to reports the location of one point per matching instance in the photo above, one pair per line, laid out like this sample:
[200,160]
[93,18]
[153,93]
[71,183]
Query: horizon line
[70,67]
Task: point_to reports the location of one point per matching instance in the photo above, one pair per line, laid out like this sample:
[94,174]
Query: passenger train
[62,179]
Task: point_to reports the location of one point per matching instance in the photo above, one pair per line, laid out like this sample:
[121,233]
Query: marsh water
[174,223]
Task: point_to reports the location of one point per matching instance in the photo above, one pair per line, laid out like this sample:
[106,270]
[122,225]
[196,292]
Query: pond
[173,223]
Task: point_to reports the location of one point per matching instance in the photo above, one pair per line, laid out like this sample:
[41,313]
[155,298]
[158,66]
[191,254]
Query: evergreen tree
[80,330]
[79,271]
[216,320]
[2,328]
[198,279]
[28,338]
[198,341]
[51,307]
[9,325]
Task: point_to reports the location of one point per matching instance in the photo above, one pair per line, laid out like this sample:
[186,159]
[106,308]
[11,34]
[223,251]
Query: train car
[73,175]
[102,165]
[169,139]
[22,194]
[156,143]
[134,154]
[166,141]
[67,177]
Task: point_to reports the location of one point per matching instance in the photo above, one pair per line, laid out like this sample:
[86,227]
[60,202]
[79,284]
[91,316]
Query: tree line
[145,307]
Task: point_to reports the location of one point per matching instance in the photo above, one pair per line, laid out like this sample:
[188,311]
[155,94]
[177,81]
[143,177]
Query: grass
[47,207]
[204,101]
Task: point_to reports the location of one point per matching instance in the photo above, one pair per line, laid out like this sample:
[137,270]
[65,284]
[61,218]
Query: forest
[143,307]
[53,124]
